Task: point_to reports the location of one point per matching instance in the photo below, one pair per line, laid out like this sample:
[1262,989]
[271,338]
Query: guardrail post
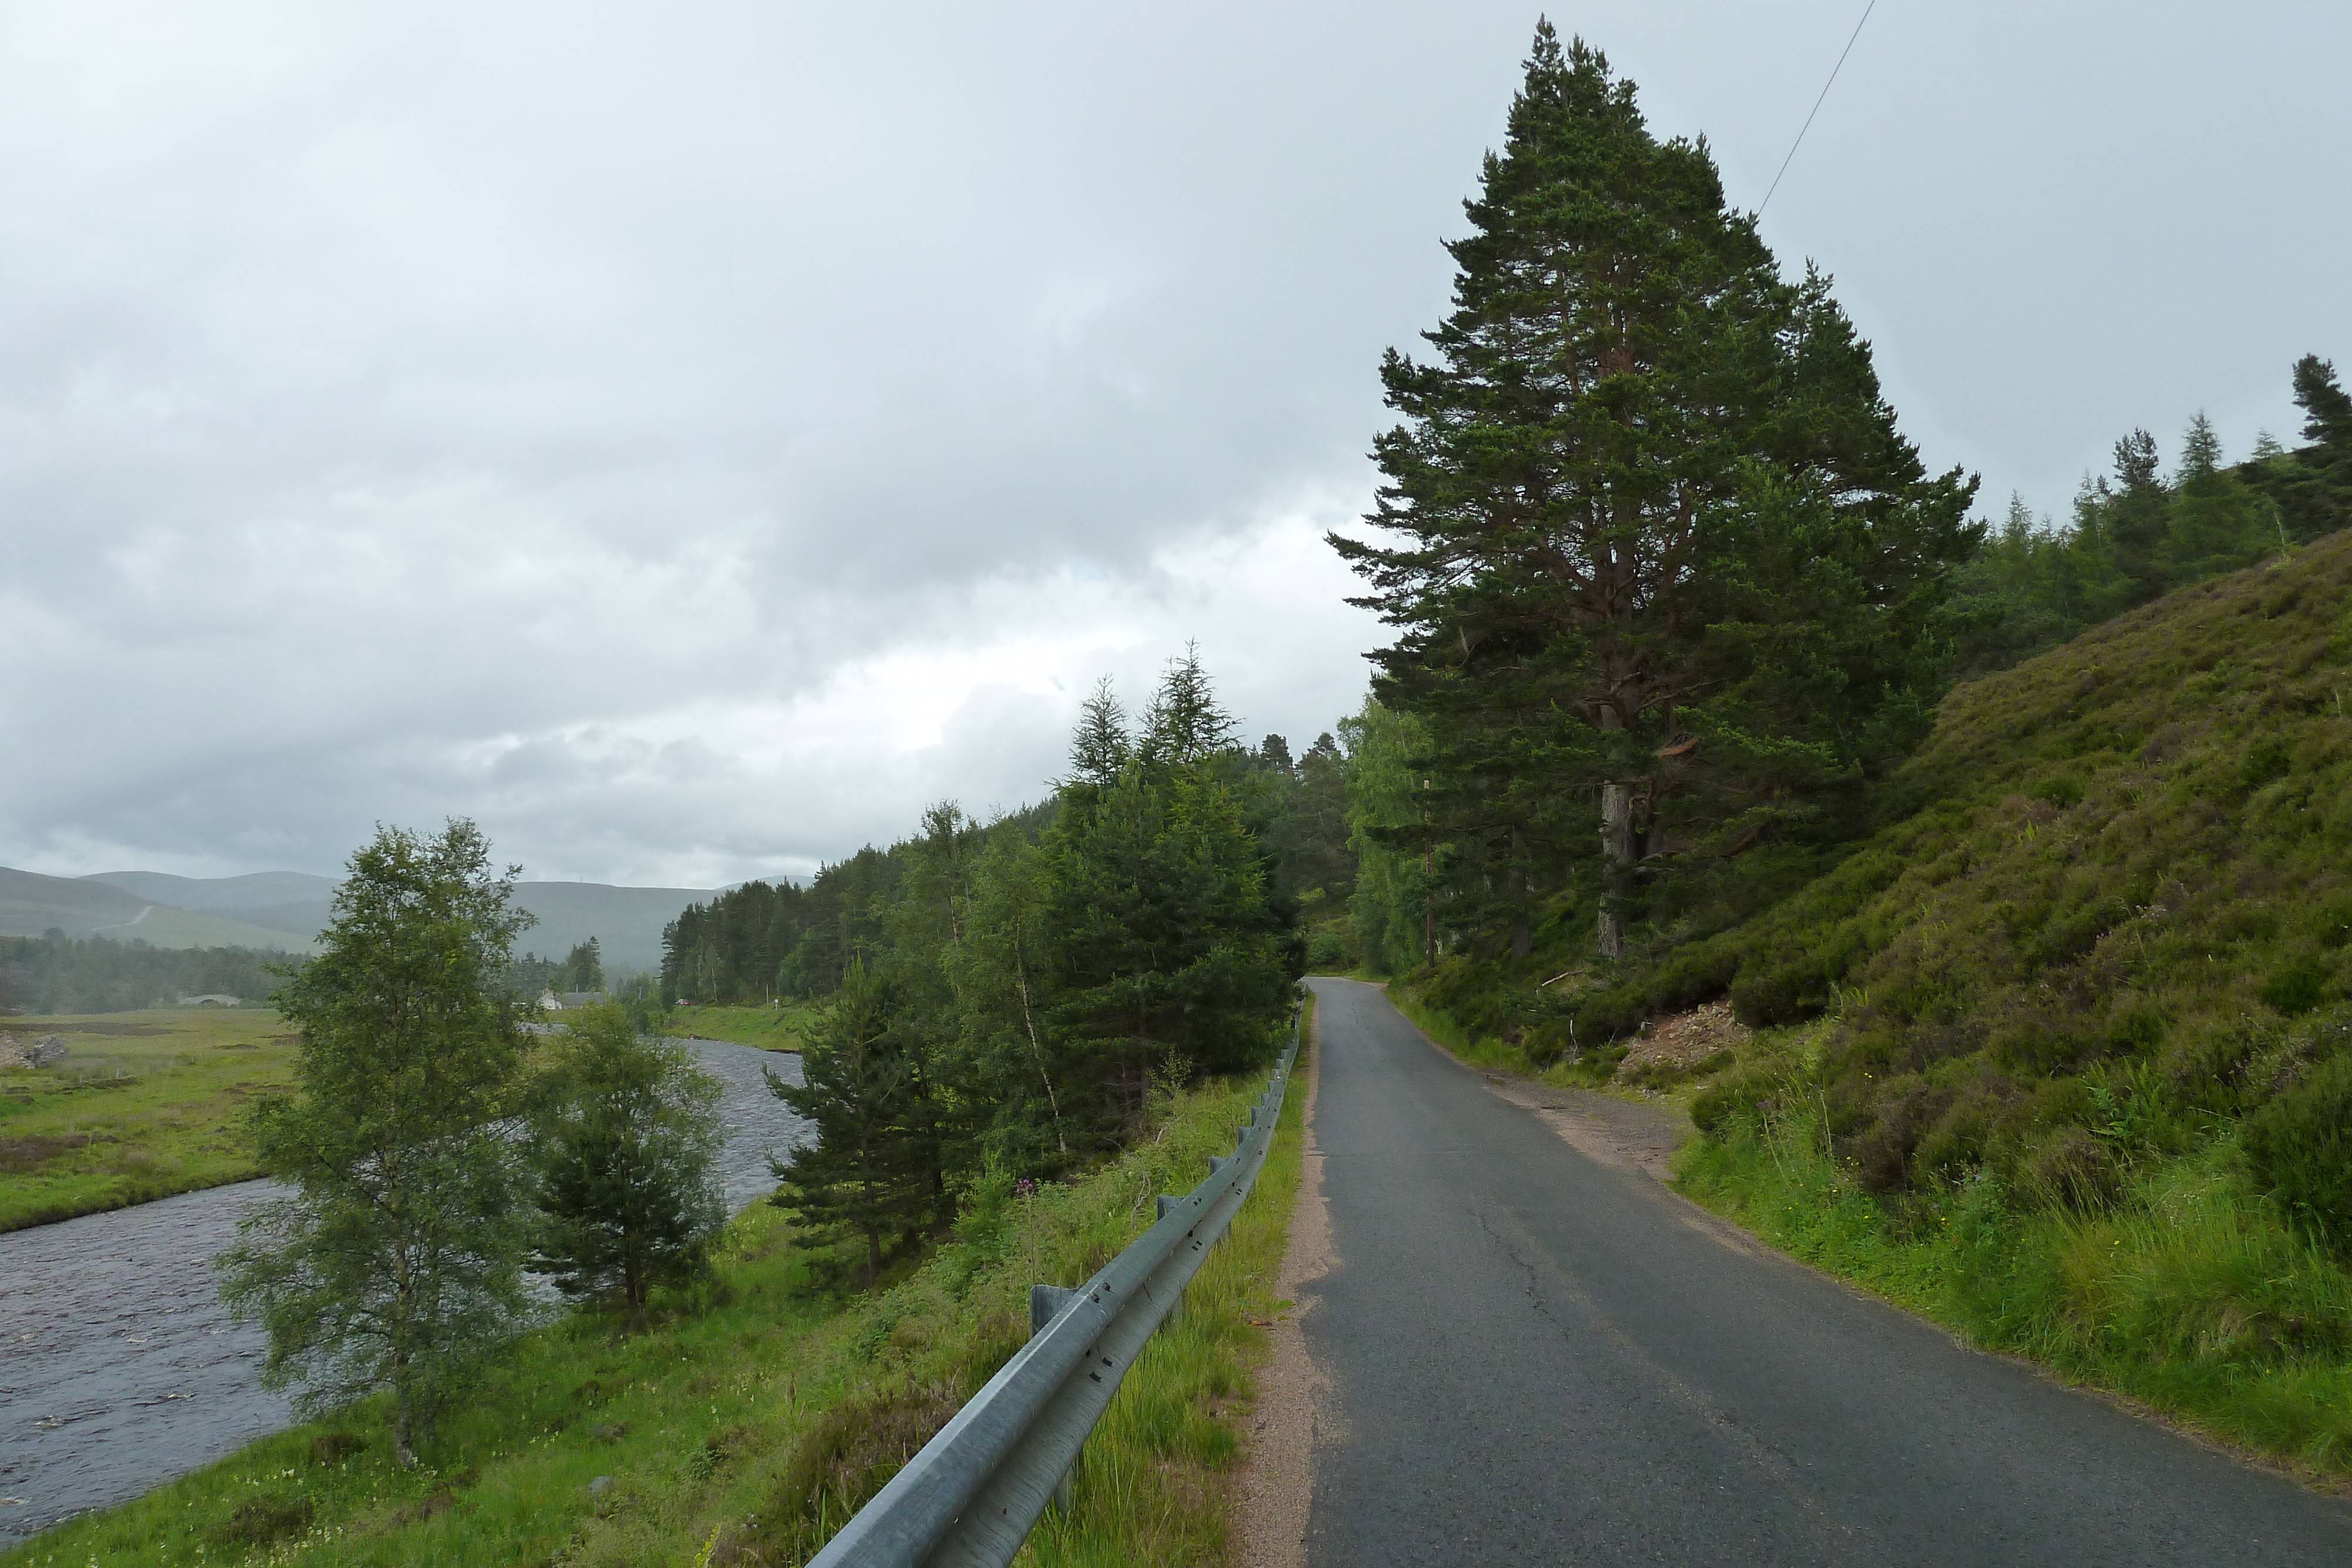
[1046,1304]
[1176,1308]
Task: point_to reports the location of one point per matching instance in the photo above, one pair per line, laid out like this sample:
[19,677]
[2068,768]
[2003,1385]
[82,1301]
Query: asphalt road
[1536,1357]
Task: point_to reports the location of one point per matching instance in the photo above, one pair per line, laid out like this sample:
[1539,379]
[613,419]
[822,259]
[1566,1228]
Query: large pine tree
[1661,566]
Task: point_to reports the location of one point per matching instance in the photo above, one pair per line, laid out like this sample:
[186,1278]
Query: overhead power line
[1799,141]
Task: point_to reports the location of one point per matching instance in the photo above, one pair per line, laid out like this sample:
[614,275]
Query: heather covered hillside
[2128,871]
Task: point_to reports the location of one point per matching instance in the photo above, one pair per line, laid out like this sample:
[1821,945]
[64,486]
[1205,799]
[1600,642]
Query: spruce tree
[1015,1070]
[1164,941]
[1101,746]
[2138,520]
[583,968]
[2217,523]
[394,1261]
[1662,568]
[2313,490]
[624,1138]
[874,1172]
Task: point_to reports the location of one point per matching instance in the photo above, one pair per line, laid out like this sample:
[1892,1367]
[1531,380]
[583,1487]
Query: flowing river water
[119,1367]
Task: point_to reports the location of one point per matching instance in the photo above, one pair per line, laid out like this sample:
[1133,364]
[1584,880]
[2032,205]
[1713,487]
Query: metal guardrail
[971,1497]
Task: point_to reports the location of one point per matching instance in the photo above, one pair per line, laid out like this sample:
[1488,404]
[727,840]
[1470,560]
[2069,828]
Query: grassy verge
[1154,1485]
[770,1028]
[2187,1291]
[758,1413]
[147,1105]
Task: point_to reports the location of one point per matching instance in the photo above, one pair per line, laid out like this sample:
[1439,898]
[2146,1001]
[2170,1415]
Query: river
[119,1367]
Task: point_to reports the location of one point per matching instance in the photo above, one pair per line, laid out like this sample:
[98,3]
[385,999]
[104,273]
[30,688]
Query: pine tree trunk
[1522,933]
[1617,851]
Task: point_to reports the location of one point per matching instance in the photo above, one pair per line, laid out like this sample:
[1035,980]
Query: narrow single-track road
[1536,1357]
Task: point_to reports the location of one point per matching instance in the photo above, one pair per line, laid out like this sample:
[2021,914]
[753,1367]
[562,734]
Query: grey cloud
[549,411]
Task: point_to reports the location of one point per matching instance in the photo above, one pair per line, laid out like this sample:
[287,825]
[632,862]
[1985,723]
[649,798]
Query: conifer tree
[2217,523]
[2134,519]
[624,1134]
[1164,940]
[583,968]
[394,1261]
[1101,746]
[875,1170]
[1642,492]
[1014,1066]
[2315,491]
[1184,722]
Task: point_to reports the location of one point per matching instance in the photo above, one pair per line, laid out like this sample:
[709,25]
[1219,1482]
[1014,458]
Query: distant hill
[626,921]
[31,903]
[290,901]
[293,906]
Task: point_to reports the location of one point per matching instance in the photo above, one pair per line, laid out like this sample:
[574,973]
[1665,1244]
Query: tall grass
[765,1405]
[2186,1289]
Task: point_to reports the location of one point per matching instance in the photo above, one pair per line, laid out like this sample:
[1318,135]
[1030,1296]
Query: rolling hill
[285,909]
[31,903]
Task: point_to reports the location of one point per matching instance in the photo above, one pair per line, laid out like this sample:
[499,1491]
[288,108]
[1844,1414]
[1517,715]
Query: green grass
[2186,1289]
[776,1027]
[756,1414]
[147,1105]
[150,1103]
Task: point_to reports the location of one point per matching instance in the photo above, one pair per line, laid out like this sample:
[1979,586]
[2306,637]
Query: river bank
[751,1418]
[121,1369]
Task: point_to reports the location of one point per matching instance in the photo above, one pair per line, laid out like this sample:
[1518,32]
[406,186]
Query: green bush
[2300,1148]
[2297,986]
[1328,952]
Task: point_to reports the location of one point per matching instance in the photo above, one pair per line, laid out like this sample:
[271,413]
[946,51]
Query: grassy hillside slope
[2129,877]
[2078,1077]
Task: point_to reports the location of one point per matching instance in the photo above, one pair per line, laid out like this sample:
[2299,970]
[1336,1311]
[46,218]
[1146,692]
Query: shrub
[2296,988]
[1882,1152]
[2062,792]
[261,1521]
[1328,952]
[2300,1147]
[837,1465]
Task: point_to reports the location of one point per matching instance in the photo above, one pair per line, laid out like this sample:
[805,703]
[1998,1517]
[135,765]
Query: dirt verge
[1276,1482]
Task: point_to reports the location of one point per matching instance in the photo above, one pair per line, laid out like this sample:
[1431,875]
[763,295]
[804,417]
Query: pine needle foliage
[624,1135]
[875,1170]
[1650,527]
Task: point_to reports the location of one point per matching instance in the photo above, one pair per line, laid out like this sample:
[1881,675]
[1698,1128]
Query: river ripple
[119,1367]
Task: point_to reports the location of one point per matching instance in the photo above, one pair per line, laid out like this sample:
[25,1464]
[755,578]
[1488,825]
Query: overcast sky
[688,438]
